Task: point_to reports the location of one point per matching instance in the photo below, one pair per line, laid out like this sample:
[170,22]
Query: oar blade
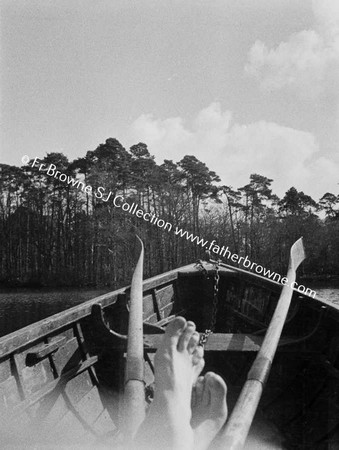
[297,254]
[134,376]
[136,285]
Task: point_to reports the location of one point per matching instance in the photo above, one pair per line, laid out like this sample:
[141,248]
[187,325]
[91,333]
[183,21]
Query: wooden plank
[217,342]
[233,342]
[78,387]
[165,296]
[68,423]
[31,333]
[5,369]
[52,409]
[17,375]
[229,342]
[155,304]
[166,310]
[9,394]
[60,382]
[68,355]
[44,350]
[153,318]
[158,280]
[90,406]
[28,335]
[58,403]
[148,307]
[246,318]
[33,377]
[78,332]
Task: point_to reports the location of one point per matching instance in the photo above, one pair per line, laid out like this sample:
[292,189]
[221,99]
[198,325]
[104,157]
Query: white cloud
[326,13]
[308,61]
[172,140]
[235,151]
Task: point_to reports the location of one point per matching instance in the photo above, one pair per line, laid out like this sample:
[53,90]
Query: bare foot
[178,363]
[209,409]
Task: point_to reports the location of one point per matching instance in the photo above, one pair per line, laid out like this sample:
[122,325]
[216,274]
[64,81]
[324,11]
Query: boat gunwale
[26,336]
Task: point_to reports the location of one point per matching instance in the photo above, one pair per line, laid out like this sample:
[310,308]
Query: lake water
[20,307]
[330,294]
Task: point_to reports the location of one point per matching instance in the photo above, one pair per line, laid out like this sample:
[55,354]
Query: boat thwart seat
[232,342]
[217,342]
[222,342]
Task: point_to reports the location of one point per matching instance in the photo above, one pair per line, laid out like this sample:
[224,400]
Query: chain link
[215,296]
[204,336]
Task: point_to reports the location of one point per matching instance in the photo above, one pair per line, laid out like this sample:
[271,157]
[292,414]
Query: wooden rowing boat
[61,379]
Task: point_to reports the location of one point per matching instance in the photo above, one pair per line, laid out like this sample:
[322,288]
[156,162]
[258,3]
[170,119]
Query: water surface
[21,307]
[329,294]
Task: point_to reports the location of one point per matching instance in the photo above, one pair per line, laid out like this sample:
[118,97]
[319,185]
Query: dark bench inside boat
[217,342]
[221,342]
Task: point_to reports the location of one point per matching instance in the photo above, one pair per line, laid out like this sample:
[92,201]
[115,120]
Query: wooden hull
[61,379]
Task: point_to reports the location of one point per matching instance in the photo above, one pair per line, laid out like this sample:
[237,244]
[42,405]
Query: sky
[245,86]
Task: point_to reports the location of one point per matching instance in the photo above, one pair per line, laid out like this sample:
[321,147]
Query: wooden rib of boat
[61,379]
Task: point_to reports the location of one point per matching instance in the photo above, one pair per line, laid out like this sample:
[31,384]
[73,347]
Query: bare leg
[178,363]
[209,410]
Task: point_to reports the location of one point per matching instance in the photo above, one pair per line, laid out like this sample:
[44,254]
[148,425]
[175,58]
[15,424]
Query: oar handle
[238,426]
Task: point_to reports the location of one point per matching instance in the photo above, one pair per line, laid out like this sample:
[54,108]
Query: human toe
[186,336]
[193,342]
[174,331]
[216,391]
[198,390]
[198,361]
[215,383]
[198,354]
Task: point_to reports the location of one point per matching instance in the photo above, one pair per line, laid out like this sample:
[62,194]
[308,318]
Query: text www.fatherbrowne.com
[241,260]
[134,209]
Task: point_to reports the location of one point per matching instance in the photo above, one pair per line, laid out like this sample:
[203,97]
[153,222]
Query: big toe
[217,389]
[173,332]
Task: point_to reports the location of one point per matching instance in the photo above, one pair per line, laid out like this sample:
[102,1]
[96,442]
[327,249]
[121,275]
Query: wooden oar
[235,432]
[134,378]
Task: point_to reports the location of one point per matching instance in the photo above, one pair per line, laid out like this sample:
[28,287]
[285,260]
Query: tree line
[52,233]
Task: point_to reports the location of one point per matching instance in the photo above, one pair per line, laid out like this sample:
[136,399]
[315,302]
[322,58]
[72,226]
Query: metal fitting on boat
[260,369]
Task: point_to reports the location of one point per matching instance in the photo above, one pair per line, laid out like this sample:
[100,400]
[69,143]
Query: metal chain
[215,296]
[201,267]
[204,336]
